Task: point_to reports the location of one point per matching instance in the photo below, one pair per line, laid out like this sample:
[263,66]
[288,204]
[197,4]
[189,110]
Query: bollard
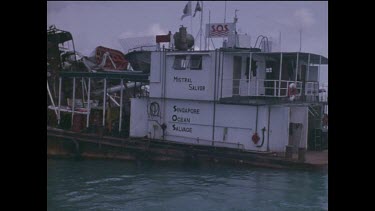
[301,154]
[288,151]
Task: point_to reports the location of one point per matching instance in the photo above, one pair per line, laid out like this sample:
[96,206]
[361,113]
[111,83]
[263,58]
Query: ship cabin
[241,98]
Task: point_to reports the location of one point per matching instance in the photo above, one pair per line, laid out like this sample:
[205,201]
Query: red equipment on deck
[115,59]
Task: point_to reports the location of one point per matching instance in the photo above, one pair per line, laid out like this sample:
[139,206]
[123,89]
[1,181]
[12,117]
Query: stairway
[316,136]
[318,141]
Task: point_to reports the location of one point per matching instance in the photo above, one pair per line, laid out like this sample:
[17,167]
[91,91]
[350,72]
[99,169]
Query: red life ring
[292,91]
[255,138]
[325,120]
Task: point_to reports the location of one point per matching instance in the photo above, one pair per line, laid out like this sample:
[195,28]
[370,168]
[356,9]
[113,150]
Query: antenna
[235,28]
[201,30]
[225,11]
[300,40]
[225,14]
[209,21]
[280,40]
[191,27]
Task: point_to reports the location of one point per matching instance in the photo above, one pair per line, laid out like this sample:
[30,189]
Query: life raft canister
[292,91]
[255,138]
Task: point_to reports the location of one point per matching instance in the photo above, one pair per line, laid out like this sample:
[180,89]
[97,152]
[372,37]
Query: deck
[317,157]
[63,143]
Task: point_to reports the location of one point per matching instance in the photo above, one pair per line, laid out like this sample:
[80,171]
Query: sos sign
[219,29]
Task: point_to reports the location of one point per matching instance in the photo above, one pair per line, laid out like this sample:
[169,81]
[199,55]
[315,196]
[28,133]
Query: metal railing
[312,88]
[316,91]
[84,103]
[323,95]
[142,47]
[310,91]
[260,87]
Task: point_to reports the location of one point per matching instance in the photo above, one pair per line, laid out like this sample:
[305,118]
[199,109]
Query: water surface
[120,185]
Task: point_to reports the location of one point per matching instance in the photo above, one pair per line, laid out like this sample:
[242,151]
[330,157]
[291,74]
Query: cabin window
[254,67]
[195,62]
[180,63]
[247,72]
[269,66]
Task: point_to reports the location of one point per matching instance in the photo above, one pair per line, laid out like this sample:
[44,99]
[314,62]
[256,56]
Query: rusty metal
[157,150]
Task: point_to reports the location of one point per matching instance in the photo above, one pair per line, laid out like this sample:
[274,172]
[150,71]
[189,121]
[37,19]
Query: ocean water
[123,185]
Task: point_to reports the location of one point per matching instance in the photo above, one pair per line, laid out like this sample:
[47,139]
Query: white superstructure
[230,97]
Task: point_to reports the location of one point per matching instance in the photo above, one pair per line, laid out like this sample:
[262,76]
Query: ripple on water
[107,185]
[104,180]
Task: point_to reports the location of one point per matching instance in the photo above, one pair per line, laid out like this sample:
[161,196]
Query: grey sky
[103,23]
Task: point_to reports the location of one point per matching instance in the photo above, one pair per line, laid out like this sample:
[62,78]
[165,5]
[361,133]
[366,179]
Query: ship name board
[192,87]
[179,118]
[182,129]
[185,110]
[176,118]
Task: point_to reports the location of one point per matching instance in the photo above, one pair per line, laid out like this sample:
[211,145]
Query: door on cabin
[237,66]
[271,76]
[251,76]
[295,135]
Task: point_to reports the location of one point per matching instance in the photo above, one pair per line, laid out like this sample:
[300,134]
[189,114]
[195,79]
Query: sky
[99,23]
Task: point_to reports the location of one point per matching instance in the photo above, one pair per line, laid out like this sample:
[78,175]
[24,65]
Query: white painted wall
[154,121]
[196,126]
[201,82]
[312,74]
[227,75]
[260,76]
[196,123]
[279,128]
[188,126]
[240,121]
[156,74]
[246,88]
[138,117]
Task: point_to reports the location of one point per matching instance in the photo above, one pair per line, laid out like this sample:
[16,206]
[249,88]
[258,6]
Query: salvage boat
[234,104]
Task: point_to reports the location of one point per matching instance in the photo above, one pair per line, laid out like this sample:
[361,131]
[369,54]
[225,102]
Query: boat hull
[68,144]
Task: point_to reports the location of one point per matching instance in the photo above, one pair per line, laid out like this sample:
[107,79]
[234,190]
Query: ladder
[313,111]
[318,139]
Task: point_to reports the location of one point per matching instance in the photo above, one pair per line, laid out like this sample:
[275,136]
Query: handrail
[261,86]
[306,91]
[262,40]
[143,46]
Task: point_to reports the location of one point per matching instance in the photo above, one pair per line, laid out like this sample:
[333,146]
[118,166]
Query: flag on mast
[198,8]
[187,10]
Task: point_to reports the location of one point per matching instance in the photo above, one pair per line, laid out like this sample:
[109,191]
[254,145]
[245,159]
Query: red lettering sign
[219,30]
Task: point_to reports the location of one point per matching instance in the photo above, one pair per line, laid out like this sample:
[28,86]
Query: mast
[300,40]
[225,11]
[209,21]
[225,14]
[191,27]
[200,38]
[280,40]
[235,27]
